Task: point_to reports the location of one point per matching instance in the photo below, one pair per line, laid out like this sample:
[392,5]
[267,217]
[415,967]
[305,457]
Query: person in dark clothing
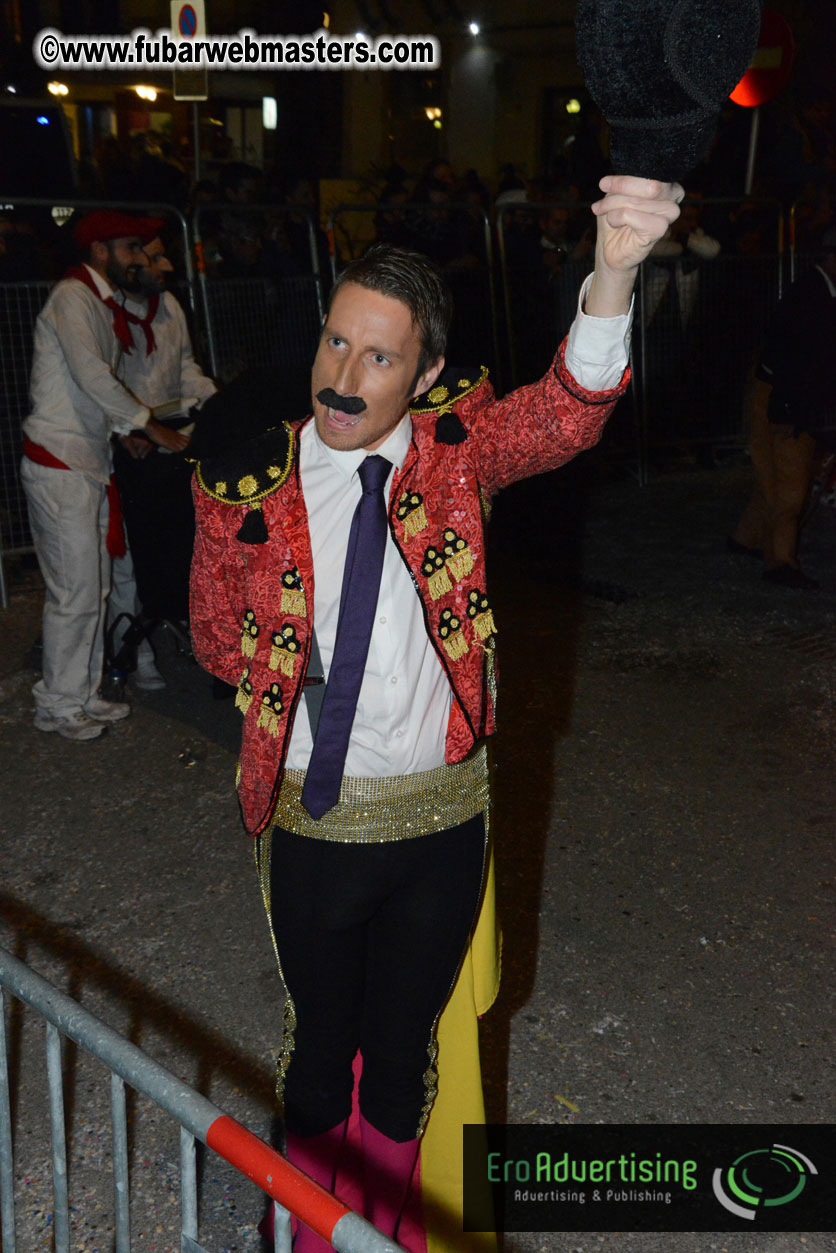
[799,366]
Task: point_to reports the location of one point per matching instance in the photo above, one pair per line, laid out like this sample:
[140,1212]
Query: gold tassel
[484,625]
[456,645]
[439,583]
[281,659]
[244,695]
[460,564]
[452,637]
[457,555]
[480,613]
[266,718]
[284,648]
[415,522]
[293,601]
[249,635]
[271,709]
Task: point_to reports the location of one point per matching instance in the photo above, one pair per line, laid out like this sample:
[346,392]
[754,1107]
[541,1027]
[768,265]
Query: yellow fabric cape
[460,1098]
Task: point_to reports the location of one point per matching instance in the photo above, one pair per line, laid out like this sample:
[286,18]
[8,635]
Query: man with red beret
[77,404]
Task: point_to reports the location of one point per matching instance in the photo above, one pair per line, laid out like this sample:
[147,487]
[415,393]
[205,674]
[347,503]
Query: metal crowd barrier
[20,304]
[690,356]
[270,319]
[539,300]
[291,1190]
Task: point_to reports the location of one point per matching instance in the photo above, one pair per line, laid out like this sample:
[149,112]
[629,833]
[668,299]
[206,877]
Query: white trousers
[68,515]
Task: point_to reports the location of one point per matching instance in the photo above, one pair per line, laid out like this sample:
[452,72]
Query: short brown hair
[417,282]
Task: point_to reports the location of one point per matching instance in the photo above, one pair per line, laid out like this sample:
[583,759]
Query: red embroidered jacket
[252,603]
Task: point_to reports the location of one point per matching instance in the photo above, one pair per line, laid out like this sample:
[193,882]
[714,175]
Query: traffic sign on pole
[771,64]
[188,22]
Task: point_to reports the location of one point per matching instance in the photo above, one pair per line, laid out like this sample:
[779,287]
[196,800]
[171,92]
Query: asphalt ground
[664,784]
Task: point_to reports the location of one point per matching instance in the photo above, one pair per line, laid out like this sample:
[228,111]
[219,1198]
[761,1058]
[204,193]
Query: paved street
[665,777]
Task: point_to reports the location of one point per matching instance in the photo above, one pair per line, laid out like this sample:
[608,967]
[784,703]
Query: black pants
[159,519]
[370,937]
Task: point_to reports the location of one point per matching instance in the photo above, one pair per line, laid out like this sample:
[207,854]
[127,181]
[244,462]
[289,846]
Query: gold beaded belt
[372,811]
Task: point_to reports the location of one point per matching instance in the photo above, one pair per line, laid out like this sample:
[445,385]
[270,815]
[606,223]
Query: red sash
[122,318]
[115,539]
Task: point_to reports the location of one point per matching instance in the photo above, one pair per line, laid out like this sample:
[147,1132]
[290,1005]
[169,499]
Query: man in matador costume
[350,547]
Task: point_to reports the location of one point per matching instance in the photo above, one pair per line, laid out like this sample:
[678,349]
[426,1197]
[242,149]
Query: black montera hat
[660,71]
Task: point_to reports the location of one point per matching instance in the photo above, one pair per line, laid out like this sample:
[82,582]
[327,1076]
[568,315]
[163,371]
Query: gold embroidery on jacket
[249,635]
[457,554]
[283,650]
[452,637]
[480,613]
[244,695]
[293,594]
[411,512]
[437,577]
[271,709]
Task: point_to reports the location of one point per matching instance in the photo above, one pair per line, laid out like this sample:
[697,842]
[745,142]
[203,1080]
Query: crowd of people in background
[796,165]
[266,224]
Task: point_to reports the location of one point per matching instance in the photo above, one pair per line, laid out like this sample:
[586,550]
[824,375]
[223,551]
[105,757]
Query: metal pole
[7,1176]
[753,149]
[196,124]
[204,292]
[509,322]
[329,230]
[121,1186]
[188,1184]
[315,263]
[282,1232]
[497,347]
[60,1191]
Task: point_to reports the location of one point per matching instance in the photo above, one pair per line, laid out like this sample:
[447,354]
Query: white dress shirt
[400,726]
[77,400]
[171,370]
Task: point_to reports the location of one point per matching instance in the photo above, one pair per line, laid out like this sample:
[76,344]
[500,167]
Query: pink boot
[388,1167]
[317,1156]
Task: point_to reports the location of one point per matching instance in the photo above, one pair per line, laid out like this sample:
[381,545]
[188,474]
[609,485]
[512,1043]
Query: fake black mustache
[345,404]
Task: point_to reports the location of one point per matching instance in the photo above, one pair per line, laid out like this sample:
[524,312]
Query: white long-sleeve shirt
[404,702]
[171,370]
[77,400]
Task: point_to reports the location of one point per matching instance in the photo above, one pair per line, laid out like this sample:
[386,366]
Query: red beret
[105,224]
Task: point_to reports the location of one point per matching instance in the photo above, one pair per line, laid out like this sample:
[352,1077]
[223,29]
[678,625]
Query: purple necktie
[358,601]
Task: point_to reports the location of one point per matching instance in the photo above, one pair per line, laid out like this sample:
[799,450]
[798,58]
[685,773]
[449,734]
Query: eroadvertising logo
[643,1177]
[762,1177]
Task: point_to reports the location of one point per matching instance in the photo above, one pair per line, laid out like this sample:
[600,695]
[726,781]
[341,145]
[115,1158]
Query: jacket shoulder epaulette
[452,385]
[245,474]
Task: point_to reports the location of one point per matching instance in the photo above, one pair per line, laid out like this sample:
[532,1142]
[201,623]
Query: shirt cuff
[598,349]
[137,422]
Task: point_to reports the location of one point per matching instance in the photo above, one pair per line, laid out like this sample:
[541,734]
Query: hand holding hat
[632,215]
